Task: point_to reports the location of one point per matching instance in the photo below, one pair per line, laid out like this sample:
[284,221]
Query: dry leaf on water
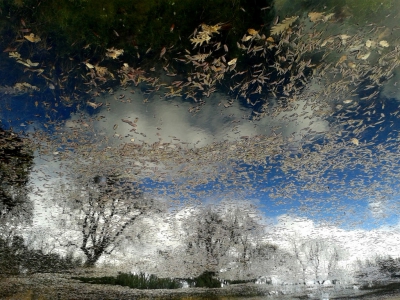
[364,56]
[316,16]
[285,24]
[355,141]
[270,39]
[252,31]
[89,65]
[232,62]
[32,64]
[328,17]
[14,55]
[369,43]
[114,53]
[341,59]
[384,44]
[319,16]
[94,104]
[32,38]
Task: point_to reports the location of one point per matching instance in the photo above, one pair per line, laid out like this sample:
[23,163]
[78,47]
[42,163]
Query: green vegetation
[205,279]
[135,281]
[144,281]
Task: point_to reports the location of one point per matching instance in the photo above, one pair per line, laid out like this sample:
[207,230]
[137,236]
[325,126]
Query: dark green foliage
[131,24]
[240,281]
[388,264]
[16,257]
[206,279]
[136,281]
[16,161]
[383,289]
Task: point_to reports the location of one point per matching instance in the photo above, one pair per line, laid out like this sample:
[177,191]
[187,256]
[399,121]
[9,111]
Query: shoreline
[61,286]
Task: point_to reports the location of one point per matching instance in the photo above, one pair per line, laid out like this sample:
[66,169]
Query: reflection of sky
[161,119]
[358,196]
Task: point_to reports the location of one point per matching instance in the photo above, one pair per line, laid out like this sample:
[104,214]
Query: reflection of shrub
[15,257]
[238,281]
[206,279]
[137,281]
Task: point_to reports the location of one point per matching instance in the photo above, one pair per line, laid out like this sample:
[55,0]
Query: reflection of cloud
[377,208]
[154,120]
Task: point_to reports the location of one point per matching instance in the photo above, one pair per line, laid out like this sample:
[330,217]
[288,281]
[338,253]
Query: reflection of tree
[104,207]
[208,238]
[319,255]
[216,237]
[16,161]
[244,232]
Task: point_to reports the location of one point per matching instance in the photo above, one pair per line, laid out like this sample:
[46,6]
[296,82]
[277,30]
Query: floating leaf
[369,43]
[89,65]
[328,17]
[101,71]
[351,64]
[32,64]
[210,29]
[355,141]
[316,16]
[328,40]
[24,86]
[342,59]
[285,24]
[344,38]
[246,38]
[384,44]
[14,55]
[114,53]
[94,104]
[270,39]
[232,62]
[252,31]
[32,38]
[200,38]
[364,57]
[23,63]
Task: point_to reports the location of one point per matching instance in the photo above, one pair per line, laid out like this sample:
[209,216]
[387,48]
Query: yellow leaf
[114,53]
[316,16]
[252,31]
[355,141]
[342,59]
[384,43]
[32,38]
[90,66]
[270,39]
[232,62]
